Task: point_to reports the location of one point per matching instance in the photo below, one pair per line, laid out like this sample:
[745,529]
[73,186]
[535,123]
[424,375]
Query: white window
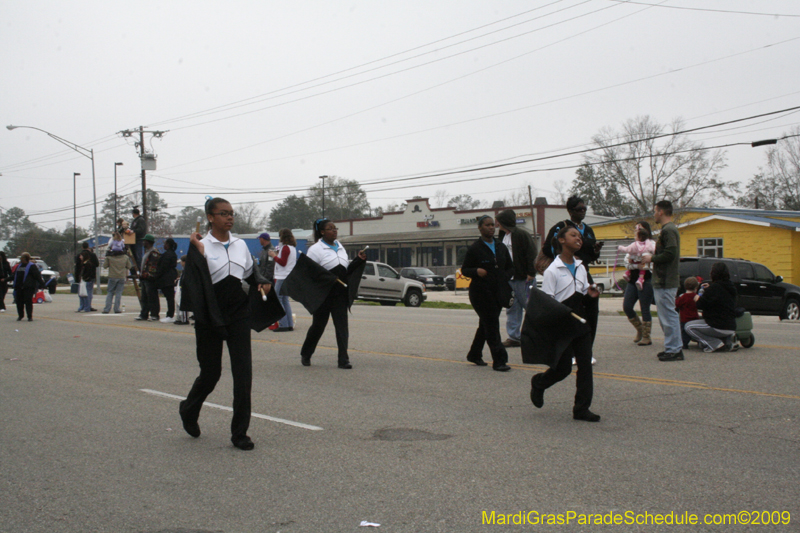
[709,248]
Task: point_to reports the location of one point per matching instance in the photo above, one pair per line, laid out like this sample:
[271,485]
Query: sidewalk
[611,306]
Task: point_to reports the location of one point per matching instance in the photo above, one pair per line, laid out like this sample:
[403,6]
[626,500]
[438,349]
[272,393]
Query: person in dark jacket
[166,274]
[148,266]
[139,228]
[86,265]
[5,277]
[523,252]
[489,265]
[27,280]
[716,330]
[265,270]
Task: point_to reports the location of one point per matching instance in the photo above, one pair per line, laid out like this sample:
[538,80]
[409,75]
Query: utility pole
[533,218]
[148,160]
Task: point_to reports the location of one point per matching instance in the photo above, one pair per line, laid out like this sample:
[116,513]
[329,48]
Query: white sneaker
[2,310]
[573,362]
[594,360]
[167,320]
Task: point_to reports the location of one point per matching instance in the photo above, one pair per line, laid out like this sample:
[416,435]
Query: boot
[646,341]
[638,325]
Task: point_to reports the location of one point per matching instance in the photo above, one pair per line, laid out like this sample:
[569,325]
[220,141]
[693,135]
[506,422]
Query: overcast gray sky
[265,95]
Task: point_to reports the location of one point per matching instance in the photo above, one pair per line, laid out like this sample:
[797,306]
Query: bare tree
[641,166]
[440,198]
[249,219]
[521,196]
[562,192]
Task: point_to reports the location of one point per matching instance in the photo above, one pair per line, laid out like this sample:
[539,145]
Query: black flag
[548,329]
[308,283]
[263,314]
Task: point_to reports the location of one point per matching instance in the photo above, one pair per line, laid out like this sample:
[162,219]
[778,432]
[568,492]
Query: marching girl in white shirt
[566,281]
[330,254]
[225,319]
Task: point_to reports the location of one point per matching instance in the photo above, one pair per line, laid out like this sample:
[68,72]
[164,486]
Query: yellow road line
[603,375]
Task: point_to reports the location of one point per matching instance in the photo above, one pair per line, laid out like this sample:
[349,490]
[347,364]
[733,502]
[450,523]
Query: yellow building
[771,238]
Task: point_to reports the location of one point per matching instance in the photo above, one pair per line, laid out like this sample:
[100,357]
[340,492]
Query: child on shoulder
[687,308]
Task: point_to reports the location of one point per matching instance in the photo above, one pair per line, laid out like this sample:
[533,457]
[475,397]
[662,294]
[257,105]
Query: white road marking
[226,408]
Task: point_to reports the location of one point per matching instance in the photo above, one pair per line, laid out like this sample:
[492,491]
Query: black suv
[760,291]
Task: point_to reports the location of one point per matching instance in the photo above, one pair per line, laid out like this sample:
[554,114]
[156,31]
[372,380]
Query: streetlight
[323,195]
[85,152]
[75,214]
[115,193]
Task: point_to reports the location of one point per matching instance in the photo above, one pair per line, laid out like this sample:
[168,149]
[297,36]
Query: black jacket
[585,254]
[139,227]
[86,266]
[524,253]
[32,281]
[166,271]
[499,268]
[718,304]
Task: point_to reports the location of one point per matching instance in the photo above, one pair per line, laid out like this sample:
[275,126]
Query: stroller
[744,330]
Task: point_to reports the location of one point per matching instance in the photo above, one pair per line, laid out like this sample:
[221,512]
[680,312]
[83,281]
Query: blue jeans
[644,297]
[286,321]
[86,301]
[115,286]
[669,319]
[514,313]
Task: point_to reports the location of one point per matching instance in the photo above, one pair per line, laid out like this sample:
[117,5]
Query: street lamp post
[85,152]
[323,195]
[75,213]
[115,193]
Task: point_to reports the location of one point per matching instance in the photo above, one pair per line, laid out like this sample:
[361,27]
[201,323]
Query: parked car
[456,281]
[424,275]
[381,283]
[760,291]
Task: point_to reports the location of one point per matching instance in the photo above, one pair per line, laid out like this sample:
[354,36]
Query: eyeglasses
[224,214]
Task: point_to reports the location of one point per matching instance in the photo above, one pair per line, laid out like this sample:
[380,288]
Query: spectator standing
[166,274]
[27,280]
[666,280]
[489,265]
[5,277]
[86,271]
[265,271]
[118,266]
[523,252]
[285,258]
[147,274]
[687,308]
[138,227]
[643,293]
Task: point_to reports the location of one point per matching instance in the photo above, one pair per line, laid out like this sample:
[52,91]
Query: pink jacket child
[634,258]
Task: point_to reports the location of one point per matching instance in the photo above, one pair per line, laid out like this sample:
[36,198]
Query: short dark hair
[665,206]
[573,201]
[135,211]
[719,272]
[170,244]
[85,245]
[691,283]
[482,218]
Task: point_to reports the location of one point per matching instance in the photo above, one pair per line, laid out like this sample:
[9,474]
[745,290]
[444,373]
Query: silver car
[381,283]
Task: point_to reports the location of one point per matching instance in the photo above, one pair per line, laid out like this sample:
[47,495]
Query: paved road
[413,438]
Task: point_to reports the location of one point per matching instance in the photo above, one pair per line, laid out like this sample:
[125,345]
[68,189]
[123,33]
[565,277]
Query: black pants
[488,332]
[3,292]
[581,350]
[209,355]
[169,294]
[25,301]
[334,306]
[150,303]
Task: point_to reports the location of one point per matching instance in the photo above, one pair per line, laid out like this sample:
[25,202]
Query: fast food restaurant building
[437,238]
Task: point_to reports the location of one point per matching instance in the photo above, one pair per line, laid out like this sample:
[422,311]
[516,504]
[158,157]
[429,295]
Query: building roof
[740,213]
[747,219]
[469,234]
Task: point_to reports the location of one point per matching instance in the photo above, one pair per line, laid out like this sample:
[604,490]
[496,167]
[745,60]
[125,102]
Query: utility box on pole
[148,161]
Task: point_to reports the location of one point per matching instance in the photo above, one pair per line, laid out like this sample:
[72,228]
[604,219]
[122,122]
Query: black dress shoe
[20,318]
[191,426]
[243,443]
[305,360]
[501,368]
[672,356]
[537,396]
[586,416]
[478,361]
[345,366]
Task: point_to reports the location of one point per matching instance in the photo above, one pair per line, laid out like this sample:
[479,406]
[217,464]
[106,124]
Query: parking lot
[413,438]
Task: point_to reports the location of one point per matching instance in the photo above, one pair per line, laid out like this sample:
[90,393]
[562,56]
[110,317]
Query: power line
[708,10]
